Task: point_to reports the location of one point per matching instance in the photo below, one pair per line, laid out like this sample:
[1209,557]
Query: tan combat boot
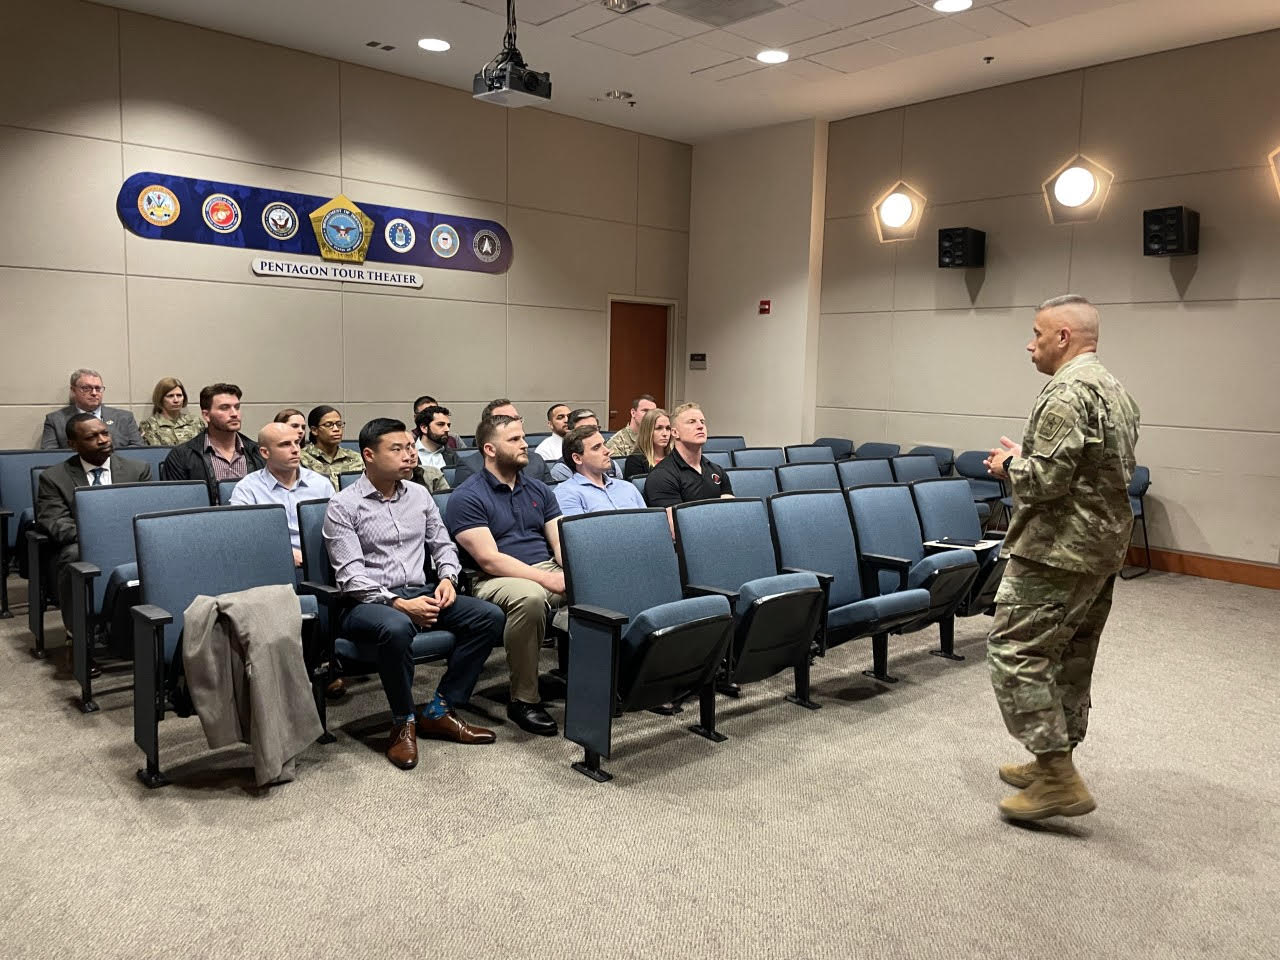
[1058,791]
[1020,775]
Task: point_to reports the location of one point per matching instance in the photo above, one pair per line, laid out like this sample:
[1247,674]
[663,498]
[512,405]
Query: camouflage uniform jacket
[159,431]
[430,477]
[623,443]
[346,461]
[1071,481]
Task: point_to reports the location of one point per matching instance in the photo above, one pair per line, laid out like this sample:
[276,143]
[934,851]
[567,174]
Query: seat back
[886,523]
[759,457]
[811,531]
[315,556]
[599,573]
[873,449]
[725,443]
[35,483]
[810,453]
[945,508]
[753,481]
[945,456]
[351,476]
[808,476]
[842,448]
[721,458]
[533,439]
[350,444]
[1138,485]
[225,488]
[104,520]
[473,458]
[639,480]
[154,456]
[914,466]
[854,473]
[209,550]
[972,464]
[442,500]
[724,543]
[449,474]
[15,481]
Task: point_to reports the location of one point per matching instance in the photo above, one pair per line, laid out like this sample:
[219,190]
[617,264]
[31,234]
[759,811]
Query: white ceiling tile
[628,36]
[670,22]
[858,56]
[845,13]
[734,68]
[685,57]
[767,80]
[990,23]
[936,35]
[1035,12]
[828,41]
[576,21]
[897,21]
[540,11]
[780,27]
[808,71]
[722,40]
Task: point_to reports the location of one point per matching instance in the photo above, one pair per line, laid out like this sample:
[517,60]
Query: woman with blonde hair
[170,424]
[653,440]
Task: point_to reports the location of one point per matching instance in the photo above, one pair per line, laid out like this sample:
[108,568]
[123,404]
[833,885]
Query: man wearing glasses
[87,392]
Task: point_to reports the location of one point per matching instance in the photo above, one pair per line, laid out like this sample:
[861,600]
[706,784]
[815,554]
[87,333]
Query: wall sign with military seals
[161,206]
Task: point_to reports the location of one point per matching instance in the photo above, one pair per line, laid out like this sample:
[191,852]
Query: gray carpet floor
[866,829]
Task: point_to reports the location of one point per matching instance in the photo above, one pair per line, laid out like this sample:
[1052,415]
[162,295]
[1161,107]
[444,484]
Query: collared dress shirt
[262,486]
[428,458]
[579,495]
[223,469]
[104,477]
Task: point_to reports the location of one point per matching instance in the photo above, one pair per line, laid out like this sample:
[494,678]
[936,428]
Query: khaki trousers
[525,604]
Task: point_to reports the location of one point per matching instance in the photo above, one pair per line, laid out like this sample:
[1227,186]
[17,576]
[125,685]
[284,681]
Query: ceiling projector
[506,79]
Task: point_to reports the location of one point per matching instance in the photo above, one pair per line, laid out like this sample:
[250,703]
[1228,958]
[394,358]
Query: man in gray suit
[86,397]
[93,464]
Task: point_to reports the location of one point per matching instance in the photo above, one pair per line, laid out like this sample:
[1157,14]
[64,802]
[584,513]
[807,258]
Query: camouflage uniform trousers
[1042,648]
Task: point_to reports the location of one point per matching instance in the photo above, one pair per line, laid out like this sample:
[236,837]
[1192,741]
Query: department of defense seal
[400,235]
[342,230]
[158,205]
[221,213]
[280,220]
[444,241]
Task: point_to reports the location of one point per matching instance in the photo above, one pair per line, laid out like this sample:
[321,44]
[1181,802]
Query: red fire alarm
[765,306]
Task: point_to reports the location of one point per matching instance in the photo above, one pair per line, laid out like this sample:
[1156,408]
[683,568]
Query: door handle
[613,413]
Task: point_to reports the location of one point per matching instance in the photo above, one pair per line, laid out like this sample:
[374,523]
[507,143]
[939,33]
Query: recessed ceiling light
[952,6]
[773,56]
[434,45]
[618,94]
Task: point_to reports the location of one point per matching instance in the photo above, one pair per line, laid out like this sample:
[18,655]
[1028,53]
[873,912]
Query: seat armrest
[323,592]
[149,615]
[702,590]
[899,565]
[82,570]
[601,615]
[825,579]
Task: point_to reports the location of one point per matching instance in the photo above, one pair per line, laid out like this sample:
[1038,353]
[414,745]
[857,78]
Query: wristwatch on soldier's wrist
[1005,466]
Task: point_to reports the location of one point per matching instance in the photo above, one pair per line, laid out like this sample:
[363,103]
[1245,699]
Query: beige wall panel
[1189,365]
[21,426]
[960,433]
[1186,111]
[662,264]
[202,261]
[463,415]
[992,143]
[1239,237]
[55,321]
[71,88]
[854,351]
[555,352]
[572,166]
[401,347]
[199,91]
[69,184]
[864,156]
[535,411]
[857,270]
[666,168]
[275,344]
[1189,511]
[255,416]
[963,362]
[451,144]
[564,261]
[1027,258]
[856,425]
[1244,453]
[437,283]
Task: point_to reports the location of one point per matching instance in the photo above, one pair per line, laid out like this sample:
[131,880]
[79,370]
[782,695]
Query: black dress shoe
[531,717]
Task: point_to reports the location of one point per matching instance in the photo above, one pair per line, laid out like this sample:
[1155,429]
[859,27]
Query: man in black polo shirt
[508,522]
[685,474]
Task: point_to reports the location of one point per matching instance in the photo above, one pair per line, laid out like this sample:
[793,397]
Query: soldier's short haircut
[1064,300]
[73,424]
[488,428]
[635,404]
[575,441]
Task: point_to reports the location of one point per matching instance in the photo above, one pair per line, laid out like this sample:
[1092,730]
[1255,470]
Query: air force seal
[400,235]
[279,220]
[221,213]
[444,241]
[343,230]
[158,205]
[486,245]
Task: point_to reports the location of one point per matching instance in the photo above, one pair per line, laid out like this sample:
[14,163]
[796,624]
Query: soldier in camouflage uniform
[1067,539]
[626,441]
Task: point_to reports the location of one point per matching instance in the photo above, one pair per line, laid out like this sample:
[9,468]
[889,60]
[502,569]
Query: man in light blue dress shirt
[283,480]
[592,487]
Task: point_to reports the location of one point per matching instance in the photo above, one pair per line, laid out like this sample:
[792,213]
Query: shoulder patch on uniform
[1055,418]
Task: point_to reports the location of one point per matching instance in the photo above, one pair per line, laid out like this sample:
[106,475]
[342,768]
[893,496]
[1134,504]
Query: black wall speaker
[962,247]
[1170,232]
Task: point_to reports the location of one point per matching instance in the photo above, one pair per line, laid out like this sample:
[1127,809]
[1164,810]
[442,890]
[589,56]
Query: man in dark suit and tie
[93,464]
[87,392]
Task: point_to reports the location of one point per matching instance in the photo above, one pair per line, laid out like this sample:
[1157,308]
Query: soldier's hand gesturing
[998,455]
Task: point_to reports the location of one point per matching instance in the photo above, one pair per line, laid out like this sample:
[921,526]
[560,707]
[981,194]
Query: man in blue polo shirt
[592,487]
[507,522]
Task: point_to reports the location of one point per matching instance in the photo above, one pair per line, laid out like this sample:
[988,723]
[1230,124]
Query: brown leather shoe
[452,727]
[336,690]
[403,747]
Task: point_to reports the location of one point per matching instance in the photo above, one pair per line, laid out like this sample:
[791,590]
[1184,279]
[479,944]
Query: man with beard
[434,423]
[507,521]
[221,451]
[536,467]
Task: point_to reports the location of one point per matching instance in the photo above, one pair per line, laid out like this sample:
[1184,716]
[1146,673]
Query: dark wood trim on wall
[1212,568]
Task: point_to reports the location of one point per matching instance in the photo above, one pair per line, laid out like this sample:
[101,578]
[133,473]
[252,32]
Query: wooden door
[637,357]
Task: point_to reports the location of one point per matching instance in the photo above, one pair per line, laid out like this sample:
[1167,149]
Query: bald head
[278,444]
[273,432]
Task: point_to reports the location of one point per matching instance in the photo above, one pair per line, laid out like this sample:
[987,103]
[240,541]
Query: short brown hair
[284,415]
[489,427]
[635,404]
[163,386]
[575,441]
[212,390]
